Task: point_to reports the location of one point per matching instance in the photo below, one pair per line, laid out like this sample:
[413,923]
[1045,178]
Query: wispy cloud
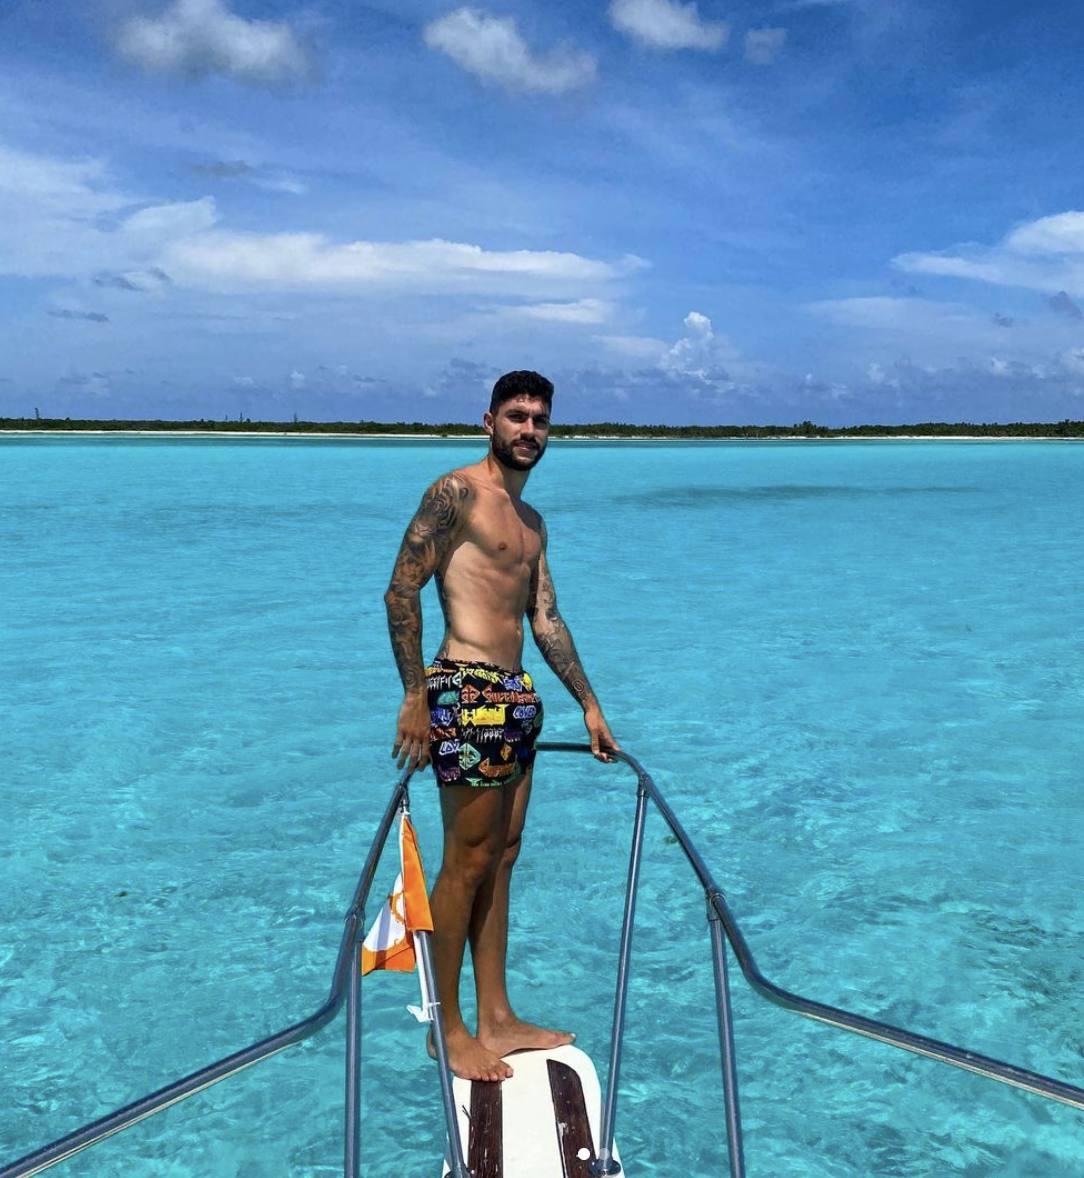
[579,311]
[668,24]
[928,331]
[935,331]
[281,183]
[291,261]
[50,208]
[223,169]
[1064,305]
[151,279]
[797,5]
[1073,361]
[96,384]
[1045,255]
[763,46]
[249,173]
[642,348]
[196,38]
[115,282]
[88,316]
[493,49]
[69,219]
[69,222]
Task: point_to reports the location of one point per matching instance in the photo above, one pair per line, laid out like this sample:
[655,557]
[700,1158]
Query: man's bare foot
[515,1035]
[468,1059]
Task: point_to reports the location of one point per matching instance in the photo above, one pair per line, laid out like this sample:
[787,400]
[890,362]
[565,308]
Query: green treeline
[610,429]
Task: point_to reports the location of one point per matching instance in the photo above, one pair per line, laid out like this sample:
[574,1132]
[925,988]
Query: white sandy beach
[225,435]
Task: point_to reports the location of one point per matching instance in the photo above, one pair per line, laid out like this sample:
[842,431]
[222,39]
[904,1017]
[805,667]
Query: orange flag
[390,942]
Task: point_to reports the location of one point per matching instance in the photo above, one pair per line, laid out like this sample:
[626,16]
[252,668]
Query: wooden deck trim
[570,1120]
[485,1155]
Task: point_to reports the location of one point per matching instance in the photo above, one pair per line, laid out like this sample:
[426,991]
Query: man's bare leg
[499,1029]
[473,840]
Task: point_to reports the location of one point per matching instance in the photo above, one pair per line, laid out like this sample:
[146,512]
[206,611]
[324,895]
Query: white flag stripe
[387,929]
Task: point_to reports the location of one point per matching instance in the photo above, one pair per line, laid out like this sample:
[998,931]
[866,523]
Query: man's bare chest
[504,537]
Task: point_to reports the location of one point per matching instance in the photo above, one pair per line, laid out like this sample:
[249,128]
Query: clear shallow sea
[856,668]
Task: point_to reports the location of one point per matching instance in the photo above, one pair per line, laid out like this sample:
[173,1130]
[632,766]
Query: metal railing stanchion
[352,1135]
[455,1144]
[605,1163]
[726,1044]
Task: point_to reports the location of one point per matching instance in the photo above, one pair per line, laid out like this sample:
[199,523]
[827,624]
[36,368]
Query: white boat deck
[542,1123]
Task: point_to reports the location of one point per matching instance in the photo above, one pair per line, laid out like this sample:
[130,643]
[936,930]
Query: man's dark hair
[521,384]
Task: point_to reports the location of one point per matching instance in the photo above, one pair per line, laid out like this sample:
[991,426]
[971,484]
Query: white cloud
[493,49]
[700,350]
[592,311]
[1073,361]
[763,46]
[883,313]
[635,347]
[925,335]
[281,183]
[875,373]
[50,210]
[147,229]
[201,37]
[230,170]
[1045,255]
[81,186]
[1062,233]
[926,330]
[667,24]
[297,379]
[291,261]
[67,219]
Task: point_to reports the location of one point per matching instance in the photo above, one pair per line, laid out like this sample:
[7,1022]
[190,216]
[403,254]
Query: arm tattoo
[429,538]
[553,637]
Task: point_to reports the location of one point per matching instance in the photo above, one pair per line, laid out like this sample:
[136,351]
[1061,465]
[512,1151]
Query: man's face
[518,432]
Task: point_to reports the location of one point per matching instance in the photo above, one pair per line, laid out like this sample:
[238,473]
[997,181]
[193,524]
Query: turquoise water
[857,669]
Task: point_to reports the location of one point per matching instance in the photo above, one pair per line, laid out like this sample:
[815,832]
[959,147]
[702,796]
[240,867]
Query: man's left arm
[554,640]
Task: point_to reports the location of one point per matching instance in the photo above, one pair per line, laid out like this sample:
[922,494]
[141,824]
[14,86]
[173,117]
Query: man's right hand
[412,735]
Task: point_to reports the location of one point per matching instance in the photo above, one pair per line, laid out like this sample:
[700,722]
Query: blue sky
[843,210]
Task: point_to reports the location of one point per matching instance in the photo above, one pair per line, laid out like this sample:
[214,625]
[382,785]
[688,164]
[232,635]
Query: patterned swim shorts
[484,722]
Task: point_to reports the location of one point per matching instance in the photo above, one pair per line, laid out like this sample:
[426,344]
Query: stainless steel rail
[146,1106]
[721,923]
[719,914]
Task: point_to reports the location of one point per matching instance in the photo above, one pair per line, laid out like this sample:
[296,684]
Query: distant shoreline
[371,435]
[246,427]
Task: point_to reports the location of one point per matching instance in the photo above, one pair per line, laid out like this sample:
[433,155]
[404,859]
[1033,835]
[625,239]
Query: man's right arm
[428,539]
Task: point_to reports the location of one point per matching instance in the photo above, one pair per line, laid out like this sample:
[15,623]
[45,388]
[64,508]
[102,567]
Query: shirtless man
[474,712]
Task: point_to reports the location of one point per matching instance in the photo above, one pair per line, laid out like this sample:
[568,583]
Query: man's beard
[507,456]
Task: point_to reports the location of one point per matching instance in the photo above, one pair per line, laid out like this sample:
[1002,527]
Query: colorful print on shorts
[484,722]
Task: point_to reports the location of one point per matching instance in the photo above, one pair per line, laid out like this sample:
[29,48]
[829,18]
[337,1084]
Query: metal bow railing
[722,922]
[349,948]
[346,988]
